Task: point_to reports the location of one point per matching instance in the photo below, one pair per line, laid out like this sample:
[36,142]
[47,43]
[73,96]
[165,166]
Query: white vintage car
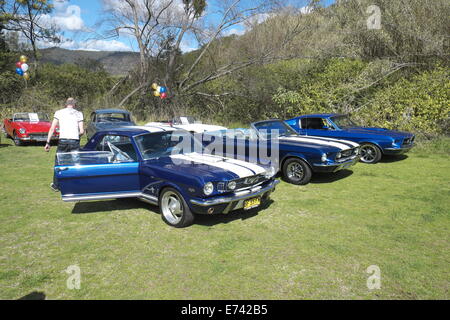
[187,123]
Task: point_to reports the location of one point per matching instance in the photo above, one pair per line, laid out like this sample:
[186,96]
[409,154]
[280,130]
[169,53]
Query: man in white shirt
[70,123]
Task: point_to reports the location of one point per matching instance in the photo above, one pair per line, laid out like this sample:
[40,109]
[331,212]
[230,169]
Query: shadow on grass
[390,159]
[131,203]
[110,205]
[35,295]
[211,220]
[323,177]
[3,145]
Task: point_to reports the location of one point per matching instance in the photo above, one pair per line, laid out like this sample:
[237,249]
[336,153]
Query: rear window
[113,117]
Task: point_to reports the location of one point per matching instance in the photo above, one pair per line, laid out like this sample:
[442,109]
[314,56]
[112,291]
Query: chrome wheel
[172,207]
[295,171]
[369,153]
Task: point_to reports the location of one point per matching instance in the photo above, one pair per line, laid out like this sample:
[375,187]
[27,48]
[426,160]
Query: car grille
[243,183]
[348,154]
[38,136]
[408,141]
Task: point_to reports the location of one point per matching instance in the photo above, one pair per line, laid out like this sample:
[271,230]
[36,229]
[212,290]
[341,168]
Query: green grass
[313,241]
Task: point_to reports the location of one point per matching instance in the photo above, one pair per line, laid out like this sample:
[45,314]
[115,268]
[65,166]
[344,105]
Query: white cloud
[88,45]
[187,46]
[66,18]
[236,31]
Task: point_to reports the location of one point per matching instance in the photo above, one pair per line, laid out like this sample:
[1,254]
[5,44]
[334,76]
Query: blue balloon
[19,71]
[163,89]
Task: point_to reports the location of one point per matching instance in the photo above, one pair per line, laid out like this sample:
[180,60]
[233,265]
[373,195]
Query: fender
[294,155]
[372,142]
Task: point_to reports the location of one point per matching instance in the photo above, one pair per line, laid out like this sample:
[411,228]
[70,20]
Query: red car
[28,126]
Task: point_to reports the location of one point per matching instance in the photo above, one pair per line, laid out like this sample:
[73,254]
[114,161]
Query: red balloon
[163,95]
[19,64]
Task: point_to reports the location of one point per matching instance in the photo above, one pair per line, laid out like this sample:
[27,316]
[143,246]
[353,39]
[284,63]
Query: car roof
[326,115]
[110,111]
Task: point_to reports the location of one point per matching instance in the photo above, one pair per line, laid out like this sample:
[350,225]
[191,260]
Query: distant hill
[114,62]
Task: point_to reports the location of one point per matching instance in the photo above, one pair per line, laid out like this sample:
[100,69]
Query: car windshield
[273,128]
[31,116]
[113,117]
[162,144]
[343,122]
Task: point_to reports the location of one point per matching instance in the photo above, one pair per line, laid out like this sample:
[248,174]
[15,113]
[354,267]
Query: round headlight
[22,130]
[324,157]
[208,188]
[232,185]
[338,156]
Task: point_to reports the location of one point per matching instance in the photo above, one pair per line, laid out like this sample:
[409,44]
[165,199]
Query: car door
[111,171]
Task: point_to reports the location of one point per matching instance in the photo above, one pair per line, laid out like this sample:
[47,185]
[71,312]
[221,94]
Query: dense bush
[420,104]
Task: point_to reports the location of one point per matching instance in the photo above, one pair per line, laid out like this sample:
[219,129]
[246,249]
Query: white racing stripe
[254,167]
[240,168]
[317,141]
[354,144]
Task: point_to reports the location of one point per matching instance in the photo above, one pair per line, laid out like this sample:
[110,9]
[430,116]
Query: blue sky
[79,20]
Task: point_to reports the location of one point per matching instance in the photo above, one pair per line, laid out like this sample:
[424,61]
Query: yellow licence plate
[252,203]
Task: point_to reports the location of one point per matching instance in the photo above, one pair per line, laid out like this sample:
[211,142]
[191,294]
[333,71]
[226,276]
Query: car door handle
[62,169]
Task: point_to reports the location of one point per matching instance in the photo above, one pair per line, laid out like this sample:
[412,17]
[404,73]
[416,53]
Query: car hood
[320,143]
[373,131]
[41,126]
[199,127]
[208,167]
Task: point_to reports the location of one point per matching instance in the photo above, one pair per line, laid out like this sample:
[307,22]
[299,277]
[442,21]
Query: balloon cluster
[22,67]
[159,91]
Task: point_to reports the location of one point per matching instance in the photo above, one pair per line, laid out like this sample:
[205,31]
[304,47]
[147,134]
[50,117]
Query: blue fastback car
[106,119]
[375,142]
[296,157]
[165,167]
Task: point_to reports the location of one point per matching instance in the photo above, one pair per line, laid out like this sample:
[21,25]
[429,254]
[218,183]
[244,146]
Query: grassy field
[313,241]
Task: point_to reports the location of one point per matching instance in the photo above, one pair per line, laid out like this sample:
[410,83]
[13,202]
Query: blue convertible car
[374,142]
[297,157]
[165,167]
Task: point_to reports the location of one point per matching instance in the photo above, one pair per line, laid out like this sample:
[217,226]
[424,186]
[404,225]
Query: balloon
[158,89]
[19,71]
[24,67]
[163,95]
[23,59]
[156,93]
[163,89]
[26,76]
[18,64]
[154,86]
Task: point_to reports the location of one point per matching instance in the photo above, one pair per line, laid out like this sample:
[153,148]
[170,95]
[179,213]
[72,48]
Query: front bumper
[37,139]
[228,203]
[394,151]
[335,166]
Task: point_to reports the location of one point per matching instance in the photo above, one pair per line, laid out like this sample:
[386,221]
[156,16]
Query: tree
[25,17]
[161,26]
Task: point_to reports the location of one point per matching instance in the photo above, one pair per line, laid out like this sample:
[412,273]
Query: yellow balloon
[156,93]
[154,86]
[26,76]
[23,59]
